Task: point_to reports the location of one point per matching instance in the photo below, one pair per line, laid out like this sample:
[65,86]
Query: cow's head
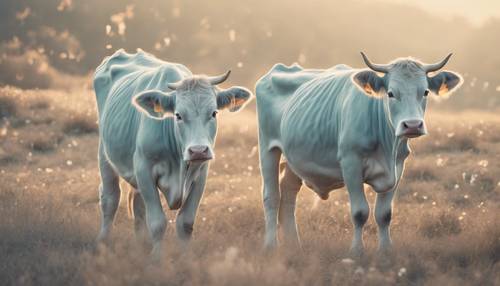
[404,86]
[194,103]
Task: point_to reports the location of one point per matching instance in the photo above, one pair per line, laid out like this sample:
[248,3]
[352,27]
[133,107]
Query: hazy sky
[476,11]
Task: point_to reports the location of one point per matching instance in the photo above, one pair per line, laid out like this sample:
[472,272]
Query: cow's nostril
[198,149]
[199,153]
[413,124]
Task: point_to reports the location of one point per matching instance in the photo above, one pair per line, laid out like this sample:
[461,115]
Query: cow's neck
[188,173]
[394,148]
[170,140]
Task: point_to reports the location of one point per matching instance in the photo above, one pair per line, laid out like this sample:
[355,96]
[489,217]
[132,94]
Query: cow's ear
[155,103]
[445,82]
[233,98]
[369,82]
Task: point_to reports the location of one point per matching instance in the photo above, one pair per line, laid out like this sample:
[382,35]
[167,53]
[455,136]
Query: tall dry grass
[445,227]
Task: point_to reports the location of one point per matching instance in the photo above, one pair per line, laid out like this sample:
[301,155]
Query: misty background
[58,43]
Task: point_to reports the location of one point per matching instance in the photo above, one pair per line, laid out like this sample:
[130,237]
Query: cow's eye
[426,92]
[214,114]
[178,116]
[390,94]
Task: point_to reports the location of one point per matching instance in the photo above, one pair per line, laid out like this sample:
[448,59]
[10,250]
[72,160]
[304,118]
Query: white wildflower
[440,162]
[167,41]
[232,35]
[347,261]
[402,272]
[359,271]
[483,163]
[473,178]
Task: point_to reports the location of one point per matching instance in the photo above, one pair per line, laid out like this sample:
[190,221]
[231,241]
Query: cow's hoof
[143,242]
[357,252]
[183,245]
[99,246]
[385,259]
[292,246]
[386,251]
[156,258]
[271,245]
[156,254]
[102,239]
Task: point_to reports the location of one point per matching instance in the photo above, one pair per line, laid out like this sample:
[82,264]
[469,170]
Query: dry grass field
[446,226]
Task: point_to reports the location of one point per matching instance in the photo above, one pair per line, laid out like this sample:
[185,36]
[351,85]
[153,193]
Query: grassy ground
[445,228]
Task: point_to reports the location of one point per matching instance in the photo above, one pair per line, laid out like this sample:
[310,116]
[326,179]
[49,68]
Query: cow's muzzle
[199,153]
[411,128]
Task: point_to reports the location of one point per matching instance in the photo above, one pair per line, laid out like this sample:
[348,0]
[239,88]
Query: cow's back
[117,80]
[314,114]
[273,91]
[123,68]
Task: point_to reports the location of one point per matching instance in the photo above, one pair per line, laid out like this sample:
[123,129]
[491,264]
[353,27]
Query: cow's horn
[437,66]
[375,67]
[218,79]
[174,85]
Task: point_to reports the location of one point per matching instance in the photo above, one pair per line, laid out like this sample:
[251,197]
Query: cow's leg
[109,195]
[187,213]
[383,214]
[139,212]
[269,163]
[289,185]
[155,217]
[352,173]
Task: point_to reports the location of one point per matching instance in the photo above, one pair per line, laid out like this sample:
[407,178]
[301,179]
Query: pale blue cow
[341,127]
[150,149]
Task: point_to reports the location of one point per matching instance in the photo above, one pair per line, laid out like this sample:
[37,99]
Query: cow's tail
[130,202]
[282,166]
